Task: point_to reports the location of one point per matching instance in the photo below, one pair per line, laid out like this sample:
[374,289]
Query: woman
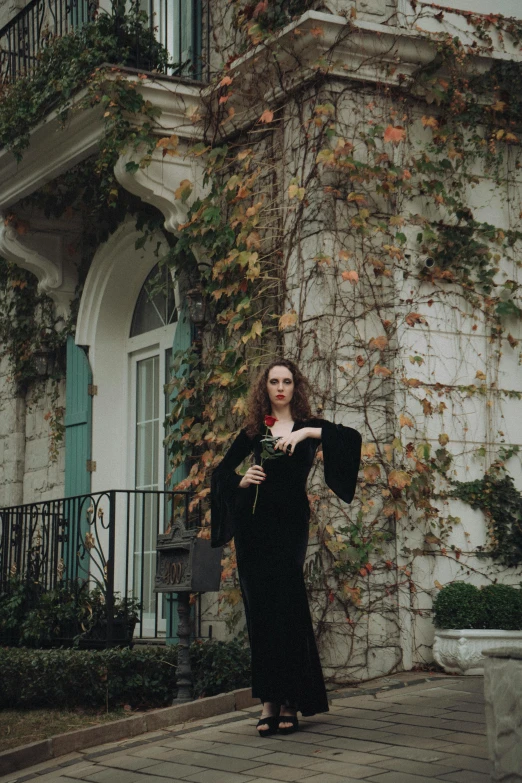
[267,511]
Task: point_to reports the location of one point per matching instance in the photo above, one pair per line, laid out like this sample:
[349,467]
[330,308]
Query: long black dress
[271,547]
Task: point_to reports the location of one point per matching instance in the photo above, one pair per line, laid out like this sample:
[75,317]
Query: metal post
[109,597]
[184,677]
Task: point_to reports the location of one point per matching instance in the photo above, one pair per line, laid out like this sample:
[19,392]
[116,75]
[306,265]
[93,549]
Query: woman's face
[280,387]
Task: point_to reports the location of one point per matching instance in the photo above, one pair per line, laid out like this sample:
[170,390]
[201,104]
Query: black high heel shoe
[293,719]
[272,721]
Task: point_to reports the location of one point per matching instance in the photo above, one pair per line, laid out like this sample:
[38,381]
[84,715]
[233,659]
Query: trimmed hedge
[463,605]
[141,677]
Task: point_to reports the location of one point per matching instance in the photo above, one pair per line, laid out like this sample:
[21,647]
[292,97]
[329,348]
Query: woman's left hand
[287,443]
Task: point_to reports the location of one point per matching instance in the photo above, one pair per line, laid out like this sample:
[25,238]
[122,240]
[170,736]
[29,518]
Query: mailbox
[186,563]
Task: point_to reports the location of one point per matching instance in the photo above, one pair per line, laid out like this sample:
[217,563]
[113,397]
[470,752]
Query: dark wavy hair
[259,406]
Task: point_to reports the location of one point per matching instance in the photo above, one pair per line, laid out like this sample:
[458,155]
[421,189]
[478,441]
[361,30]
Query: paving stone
[357,771]
[212,761]
[412,742]
[126,761]
[414,767]
[358,712]
[172,769]
[111,776]
[469,739]
[399,777]
[288,759]
[347,743]
[411,709]
[467,762]
[277,772]
[368,702]
[465,776]
[217,776]
[467,717]
[238,751]
[330,777]
[418,731]
[468,750]
[418,754]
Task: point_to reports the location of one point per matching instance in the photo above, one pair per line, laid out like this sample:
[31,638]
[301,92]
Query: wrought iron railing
[180,26]
[104,540]
[32,27]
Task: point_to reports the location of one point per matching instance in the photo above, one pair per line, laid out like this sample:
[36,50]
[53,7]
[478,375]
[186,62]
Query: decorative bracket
[158,182]
[42,252]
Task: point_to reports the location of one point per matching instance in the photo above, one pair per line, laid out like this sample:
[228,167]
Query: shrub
[70,614]
[462,605]
[458,605]
[501,607]
[142,677]
[219,666]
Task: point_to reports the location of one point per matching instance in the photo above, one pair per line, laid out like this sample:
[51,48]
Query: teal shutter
[182,340]
[78,421]
[78,431]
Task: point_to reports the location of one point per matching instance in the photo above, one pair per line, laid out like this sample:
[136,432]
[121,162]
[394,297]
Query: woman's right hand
[254,475]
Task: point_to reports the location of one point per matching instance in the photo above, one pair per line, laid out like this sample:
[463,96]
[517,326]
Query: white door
[149,351]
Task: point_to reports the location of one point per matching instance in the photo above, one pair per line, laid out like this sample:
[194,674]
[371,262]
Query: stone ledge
[62,744]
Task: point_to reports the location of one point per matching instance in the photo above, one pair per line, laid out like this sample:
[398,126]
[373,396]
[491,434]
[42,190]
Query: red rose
[270,421]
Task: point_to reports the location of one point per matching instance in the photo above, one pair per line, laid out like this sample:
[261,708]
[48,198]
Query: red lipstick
[280,396]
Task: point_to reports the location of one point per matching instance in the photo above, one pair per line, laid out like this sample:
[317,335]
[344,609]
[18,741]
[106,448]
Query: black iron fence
[104,541]
[182,27]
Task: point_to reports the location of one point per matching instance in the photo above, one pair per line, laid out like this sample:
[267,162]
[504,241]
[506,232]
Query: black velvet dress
[271,548]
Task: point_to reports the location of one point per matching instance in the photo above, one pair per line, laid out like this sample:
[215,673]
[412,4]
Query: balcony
[178,25]
[104,540]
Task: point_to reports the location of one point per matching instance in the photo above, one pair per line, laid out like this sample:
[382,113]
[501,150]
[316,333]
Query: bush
[457,605]
[70,614]
[219,666]
[501,607]
[462,605]
[142,677]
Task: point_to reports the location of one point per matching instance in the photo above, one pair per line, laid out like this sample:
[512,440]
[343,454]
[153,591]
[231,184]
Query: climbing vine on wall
[321,205]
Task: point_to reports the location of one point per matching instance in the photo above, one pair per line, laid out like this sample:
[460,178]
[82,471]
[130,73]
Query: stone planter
[503,695]
[460,651]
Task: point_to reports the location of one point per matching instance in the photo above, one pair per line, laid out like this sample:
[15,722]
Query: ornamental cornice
[55,147]
[343,48]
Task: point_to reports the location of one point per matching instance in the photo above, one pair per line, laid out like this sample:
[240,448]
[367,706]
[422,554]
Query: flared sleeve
[223,490]
[342,457]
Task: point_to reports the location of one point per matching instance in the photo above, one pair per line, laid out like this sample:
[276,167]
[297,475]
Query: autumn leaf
[394,134]
[288,319]
[368,450]
[430,122]
[260,8]
[379,343]
[480,375]
[443,439]
[244,154]
[359,360]
[225,81]
[344,255]
[498,106]
[371,473]
[184,190]
[351,275]
[405,421]
[383,371]
[224,99]
[267,116]
[399,479]
[317,32]
[413,383]
[512,341]
[414,318]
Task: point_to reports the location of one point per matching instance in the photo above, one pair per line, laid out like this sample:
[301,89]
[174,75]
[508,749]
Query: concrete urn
[460,651]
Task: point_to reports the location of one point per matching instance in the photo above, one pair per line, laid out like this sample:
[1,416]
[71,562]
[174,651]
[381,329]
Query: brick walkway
[410,728]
